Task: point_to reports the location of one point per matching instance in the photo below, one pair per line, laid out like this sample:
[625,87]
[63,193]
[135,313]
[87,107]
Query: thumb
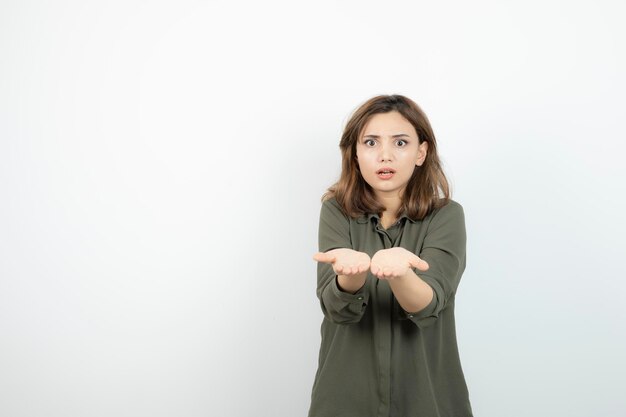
[418,263]
[324,257]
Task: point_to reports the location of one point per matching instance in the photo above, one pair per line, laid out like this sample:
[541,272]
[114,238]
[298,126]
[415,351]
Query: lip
[386,176]
[393,171]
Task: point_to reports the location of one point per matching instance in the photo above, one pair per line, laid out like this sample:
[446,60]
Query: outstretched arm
[341,291]
[444,251]
[394,265]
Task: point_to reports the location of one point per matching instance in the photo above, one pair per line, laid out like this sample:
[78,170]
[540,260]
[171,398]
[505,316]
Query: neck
[392,204]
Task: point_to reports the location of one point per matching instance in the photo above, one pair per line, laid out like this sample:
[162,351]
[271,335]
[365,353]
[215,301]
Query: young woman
[391,255]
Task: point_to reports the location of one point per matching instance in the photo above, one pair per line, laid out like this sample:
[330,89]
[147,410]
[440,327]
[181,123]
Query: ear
[422,152]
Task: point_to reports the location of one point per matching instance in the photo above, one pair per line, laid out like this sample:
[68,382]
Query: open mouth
[385,173]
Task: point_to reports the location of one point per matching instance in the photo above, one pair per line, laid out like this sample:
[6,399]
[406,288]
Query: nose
[385,152]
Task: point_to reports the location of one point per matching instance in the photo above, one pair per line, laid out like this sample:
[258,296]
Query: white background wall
[161,165]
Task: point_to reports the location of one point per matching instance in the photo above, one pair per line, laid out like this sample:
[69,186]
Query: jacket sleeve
[444,250]
[334,232]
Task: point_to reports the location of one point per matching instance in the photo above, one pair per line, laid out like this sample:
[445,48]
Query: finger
[418,263]
[379,272]
[324,257]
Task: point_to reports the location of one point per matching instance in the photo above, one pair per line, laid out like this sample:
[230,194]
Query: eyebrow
[399,135]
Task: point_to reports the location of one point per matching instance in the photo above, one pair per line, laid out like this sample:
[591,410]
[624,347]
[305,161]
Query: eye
[368,140]
[402,140]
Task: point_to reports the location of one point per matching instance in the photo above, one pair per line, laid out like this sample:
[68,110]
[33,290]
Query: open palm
[345,261]
[395,263]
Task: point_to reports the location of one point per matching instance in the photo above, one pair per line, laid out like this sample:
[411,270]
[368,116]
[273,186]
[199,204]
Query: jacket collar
[367,218]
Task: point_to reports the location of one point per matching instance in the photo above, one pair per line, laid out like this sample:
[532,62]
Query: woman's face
[388,140]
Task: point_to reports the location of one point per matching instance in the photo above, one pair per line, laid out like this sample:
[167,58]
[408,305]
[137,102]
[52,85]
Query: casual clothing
[376,359]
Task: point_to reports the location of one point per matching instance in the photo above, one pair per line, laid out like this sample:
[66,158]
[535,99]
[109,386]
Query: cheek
[410,158]
[364,159]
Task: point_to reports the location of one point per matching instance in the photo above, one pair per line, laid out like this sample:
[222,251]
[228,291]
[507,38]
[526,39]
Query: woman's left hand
[395,262]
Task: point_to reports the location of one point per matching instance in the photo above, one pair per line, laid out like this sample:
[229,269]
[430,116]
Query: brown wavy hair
[427,188]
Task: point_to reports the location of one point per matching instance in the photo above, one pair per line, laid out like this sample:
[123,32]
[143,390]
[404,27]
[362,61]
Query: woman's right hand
[345,261]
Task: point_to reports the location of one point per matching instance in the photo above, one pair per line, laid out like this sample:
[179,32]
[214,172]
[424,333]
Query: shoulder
[331,204]
[330,201]
[331,211]
[452,210]
[452,206]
